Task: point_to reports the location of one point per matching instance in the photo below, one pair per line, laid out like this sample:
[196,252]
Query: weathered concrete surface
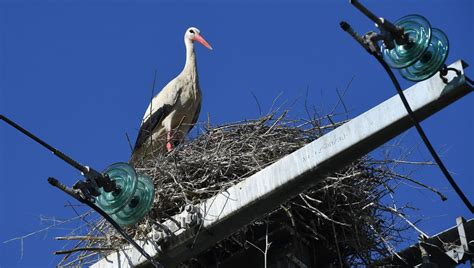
[226,212]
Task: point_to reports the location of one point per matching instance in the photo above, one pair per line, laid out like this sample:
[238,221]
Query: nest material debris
[345,215]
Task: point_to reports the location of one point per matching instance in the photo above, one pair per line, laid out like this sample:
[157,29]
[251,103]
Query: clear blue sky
[79,73]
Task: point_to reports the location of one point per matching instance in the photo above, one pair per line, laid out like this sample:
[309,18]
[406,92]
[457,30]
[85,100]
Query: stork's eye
[191,31]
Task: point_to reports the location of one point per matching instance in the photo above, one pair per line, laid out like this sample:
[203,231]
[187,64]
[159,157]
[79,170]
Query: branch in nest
[59,252]
[101,238]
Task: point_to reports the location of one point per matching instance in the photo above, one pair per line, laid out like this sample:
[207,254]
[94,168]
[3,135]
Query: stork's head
[193,34]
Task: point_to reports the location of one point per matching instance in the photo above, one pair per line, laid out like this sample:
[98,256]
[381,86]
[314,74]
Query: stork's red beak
[200,39]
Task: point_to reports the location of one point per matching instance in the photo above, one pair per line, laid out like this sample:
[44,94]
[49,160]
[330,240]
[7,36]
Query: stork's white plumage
[175,109]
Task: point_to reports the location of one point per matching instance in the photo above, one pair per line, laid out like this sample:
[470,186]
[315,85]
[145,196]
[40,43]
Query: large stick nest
[344,217]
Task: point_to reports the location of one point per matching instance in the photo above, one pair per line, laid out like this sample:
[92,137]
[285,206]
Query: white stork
[175,109]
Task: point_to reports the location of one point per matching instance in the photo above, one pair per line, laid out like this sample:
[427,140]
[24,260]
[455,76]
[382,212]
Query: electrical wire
[55,151]
[422,133]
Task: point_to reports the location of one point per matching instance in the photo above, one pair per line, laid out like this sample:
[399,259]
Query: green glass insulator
[133,198]
[140,204]
[419,33]
[431,61]
[125,178]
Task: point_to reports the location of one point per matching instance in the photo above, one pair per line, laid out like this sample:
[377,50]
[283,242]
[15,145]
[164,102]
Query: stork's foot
[169,146]
[169,142]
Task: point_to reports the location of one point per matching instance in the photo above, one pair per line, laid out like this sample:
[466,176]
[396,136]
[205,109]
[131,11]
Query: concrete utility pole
[262,192]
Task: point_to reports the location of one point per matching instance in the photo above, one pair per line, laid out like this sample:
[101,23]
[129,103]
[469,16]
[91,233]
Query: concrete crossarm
[262,192]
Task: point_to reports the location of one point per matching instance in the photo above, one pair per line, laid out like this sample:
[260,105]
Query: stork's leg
[169,142]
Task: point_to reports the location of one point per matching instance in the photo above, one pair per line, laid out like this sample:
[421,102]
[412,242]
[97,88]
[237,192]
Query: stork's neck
[190,67]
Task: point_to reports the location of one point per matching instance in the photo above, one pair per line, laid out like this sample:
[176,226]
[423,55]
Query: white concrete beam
[262,192]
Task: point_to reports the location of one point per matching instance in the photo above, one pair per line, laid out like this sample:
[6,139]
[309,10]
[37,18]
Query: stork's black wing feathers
[147,127]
